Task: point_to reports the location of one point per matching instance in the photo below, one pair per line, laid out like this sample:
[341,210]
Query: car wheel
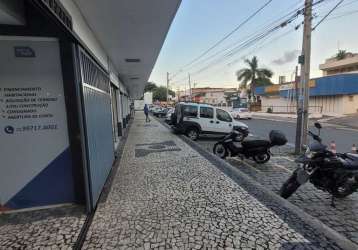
[192,133]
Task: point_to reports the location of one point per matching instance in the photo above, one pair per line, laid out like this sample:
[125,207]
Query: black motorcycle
[234,144]
[334,173]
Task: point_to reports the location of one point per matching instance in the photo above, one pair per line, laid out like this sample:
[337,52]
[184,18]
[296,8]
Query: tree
[160,93]
[150,87]
[341,54]
[261,82]
[253,75]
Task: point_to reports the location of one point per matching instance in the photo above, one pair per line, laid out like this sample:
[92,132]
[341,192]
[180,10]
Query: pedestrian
[146,112]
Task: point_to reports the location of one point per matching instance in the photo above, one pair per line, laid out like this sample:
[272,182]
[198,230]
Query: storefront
[63,104]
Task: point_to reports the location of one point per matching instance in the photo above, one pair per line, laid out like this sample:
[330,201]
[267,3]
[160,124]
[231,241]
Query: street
[344,138]
[273,174]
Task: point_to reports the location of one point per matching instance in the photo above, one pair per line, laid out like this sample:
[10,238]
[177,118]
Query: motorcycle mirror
[318,125]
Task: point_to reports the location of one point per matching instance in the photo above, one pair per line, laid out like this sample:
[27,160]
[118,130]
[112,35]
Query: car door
[223,121]
[206,119]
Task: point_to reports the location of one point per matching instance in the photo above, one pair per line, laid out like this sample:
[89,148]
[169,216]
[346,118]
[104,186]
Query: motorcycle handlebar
[314,136]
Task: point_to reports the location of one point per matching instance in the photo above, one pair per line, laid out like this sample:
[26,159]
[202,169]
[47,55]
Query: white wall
[279,104]
[82,29]
[148,98]
[350,104]
[84,32]
[331,105]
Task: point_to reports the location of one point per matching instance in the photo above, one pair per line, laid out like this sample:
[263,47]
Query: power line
[248,43]
[339,15]
[252,40]
[232,46]
[335,7]
[226,36]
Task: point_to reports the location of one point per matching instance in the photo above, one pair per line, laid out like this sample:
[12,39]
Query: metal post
[190,94]
[167,88]
[305,61]
[298,88]
[305,75]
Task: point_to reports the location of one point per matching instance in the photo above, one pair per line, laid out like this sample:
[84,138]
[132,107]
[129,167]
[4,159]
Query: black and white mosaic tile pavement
[177,199]
[55,228]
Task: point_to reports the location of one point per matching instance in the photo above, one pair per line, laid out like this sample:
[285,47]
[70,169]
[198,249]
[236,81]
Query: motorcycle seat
[255,143]
[352,161]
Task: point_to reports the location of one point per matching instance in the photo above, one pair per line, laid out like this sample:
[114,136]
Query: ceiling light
[132,60]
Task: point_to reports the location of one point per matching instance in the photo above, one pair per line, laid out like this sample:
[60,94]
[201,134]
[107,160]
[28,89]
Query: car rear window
[190,111]
[206,112]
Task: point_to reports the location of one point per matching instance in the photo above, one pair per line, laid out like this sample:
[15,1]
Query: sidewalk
[166,195]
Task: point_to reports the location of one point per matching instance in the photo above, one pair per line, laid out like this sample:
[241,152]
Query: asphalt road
[344,138]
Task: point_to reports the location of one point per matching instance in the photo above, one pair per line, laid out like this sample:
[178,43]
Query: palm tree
[253,75]
[341,55]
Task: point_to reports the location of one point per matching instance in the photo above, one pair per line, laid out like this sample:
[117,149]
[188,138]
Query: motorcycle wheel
[343,191]
[263,158]
[290,186]
[220,150]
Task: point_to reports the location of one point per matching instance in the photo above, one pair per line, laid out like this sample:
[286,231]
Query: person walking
[146,112]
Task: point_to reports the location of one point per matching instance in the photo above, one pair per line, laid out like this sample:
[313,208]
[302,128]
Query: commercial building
[336,65]
[69,72]
[329,95]
[334,94]
[212,96]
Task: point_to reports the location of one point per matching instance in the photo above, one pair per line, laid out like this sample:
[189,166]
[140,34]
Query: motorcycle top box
[277,138]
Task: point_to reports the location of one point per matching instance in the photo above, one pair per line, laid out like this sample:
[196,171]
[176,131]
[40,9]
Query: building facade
[333,95]
[335,65]
[212,96]
[69,72]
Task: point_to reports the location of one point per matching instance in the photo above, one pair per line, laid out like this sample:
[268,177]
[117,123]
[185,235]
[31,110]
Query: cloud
[289,56]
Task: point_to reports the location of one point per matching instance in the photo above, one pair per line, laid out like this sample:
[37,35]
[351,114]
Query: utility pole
[305,61]
[190,94]
[167,88]
[297,93]
[298,97]
[306,67]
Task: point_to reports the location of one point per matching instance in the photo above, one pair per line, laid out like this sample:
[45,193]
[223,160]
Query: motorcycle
[258,150]
[334,173]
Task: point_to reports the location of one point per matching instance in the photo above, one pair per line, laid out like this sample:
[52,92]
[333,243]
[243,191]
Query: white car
[241,113]
[168,117]
[194,119]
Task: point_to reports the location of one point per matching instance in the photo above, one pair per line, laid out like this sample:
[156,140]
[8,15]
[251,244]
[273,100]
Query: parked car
[160,112]
[168,117]
[193,119]
[241,113]
[153,107]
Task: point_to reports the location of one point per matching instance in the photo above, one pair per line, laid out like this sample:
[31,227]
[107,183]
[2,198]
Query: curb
[243,180]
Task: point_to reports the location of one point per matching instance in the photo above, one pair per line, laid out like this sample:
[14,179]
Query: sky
[199,24]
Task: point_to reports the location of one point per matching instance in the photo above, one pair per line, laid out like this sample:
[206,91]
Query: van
[194,119]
